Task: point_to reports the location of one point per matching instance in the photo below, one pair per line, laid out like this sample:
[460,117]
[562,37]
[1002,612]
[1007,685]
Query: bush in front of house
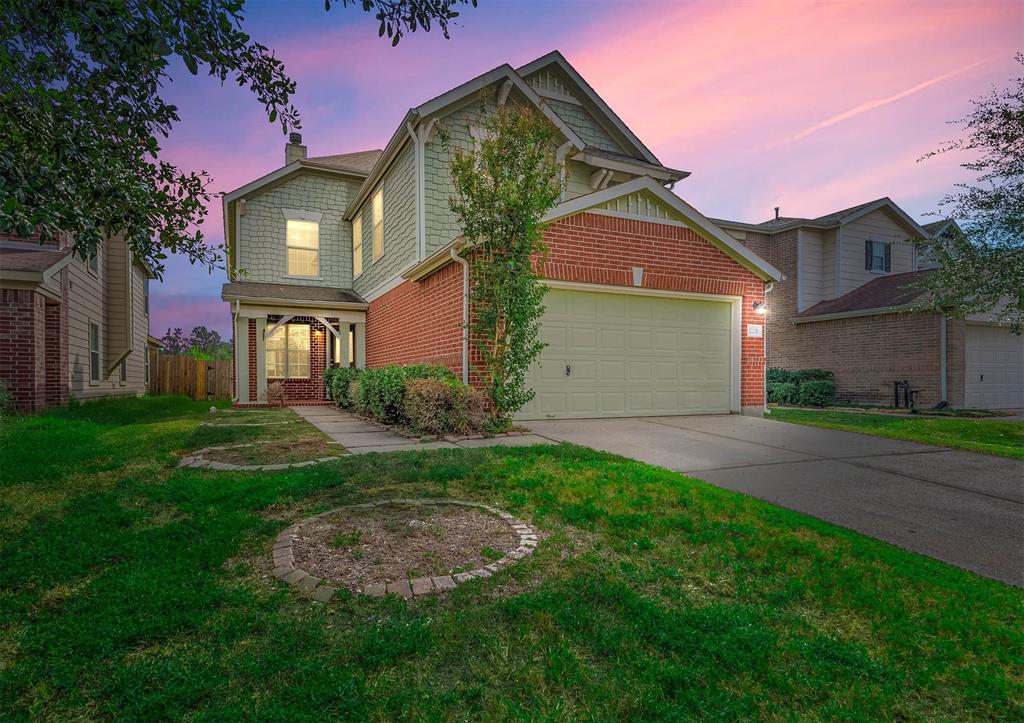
[816,393]
[782,393]
[338,381]
[6,402]
[435,406]
[382,389]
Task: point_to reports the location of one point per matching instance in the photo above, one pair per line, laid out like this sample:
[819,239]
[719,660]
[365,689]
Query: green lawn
[1005,439]
[132,589]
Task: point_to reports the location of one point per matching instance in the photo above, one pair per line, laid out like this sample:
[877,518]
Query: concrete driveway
[963,508]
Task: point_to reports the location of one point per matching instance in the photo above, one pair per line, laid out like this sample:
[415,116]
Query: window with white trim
[145,371]
[357,245]
[288,352]
[303,247]
[94,353]
[122,372]
[145,295]
[378,224]
[877,256]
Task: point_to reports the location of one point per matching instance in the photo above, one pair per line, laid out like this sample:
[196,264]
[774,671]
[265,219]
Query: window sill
[304,278]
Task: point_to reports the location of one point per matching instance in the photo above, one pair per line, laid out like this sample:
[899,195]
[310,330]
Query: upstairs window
[357,245]
[288,352]
[94,261]
[145,295]
[877,256]
[378,224]
[303,248]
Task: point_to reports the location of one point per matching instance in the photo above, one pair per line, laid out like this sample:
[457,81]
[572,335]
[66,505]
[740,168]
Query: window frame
[871,255]
[122,372]
[377,220]
[95,361]
[145,367]
[93,262]
[288,246]
[357,246]
[288,351]
[145,295]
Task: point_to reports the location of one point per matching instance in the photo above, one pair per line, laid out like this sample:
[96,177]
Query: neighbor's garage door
[616,355]
[995,368]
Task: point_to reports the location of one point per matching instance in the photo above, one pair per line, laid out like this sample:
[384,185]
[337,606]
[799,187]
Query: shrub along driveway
[963,508]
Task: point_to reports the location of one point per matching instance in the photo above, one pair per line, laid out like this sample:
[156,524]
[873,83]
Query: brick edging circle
[285,569]
[197,460]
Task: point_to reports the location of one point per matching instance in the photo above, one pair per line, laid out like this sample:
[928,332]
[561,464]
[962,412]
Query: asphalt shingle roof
[289,292]
[881,293]
[360,162]
[30,259]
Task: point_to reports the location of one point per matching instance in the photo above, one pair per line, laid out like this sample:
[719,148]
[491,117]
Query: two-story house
[71,326]
[846,304]
[357,259]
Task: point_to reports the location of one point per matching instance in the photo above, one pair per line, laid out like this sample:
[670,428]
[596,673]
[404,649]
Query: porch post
[360,344]
[261,360]
[241,359]
[345,328]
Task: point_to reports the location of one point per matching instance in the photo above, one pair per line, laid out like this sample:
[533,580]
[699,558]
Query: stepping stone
[421,586]
[400,588]
[324,593]
[461,577]
[377,589]
[308,583]
[282,570]
[294,576]
[444,582]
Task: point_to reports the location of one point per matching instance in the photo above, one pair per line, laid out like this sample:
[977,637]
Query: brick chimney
[294,150]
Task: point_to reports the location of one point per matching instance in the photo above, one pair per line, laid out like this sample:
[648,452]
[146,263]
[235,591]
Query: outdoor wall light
[760,308]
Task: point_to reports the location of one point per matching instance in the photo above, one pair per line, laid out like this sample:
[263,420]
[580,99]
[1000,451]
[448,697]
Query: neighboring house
[354,259]
[70,326]
[844,306]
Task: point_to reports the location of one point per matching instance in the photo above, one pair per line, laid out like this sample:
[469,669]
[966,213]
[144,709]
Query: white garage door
[995,368]
[618,355]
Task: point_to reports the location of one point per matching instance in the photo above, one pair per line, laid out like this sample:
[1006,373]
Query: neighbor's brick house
[68,326]
[357,259]
[846,305]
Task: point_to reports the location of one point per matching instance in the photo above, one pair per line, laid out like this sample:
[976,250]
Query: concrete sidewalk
[359,436]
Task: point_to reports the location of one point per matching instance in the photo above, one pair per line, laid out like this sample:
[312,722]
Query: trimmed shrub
[382,390]
[817,393]
[779,376]
[433,406]
[782,393]
[340,380]
[811,375]
[6,402]
[354,396]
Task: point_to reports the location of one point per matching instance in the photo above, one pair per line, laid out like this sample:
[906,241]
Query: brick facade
[23,347]
[866,353]
[422,320]
[307,389]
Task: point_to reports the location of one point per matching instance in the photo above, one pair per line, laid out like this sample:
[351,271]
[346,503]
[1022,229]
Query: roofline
[883,203]
[441,257]
[303,303]
[36,277]
[555,57]
[285,170]
[434,106]
[813,223]
[662,173]
[873,311]
[698,221]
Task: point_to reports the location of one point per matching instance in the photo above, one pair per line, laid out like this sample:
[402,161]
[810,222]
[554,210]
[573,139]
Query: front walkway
[359,435]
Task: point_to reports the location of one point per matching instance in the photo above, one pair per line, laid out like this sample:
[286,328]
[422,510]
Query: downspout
[234,356]
[465,314]
[943,391]
[767,290]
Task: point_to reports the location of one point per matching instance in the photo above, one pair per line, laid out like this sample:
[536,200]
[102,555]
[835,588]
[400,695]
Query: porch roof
[291,294]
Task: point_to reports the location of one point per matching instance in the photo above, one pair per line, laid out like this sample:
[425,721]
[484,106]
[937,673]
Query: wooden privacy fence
[171,374]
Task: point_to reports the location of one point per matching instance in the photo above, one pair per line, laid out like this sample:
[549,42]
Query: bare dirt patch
[358,547]
[277,451]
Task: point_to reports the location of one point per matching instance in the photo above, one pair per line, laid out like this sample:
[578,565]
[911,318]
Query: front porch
[293,350]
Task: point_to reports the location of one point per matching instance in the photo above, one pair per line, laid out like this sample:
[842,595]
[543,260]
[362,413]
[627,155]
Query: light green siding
[580,120]
[442,225]
[577,179]
[551,80]
[262,252]
[399,224]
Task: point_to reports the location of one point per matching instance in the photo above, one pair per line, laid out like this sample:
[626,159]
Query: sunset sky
[809,106]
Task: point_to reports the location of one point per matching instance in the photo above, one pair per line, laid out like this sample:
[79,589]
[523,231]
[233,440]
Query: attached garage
[995,368]
[633,352]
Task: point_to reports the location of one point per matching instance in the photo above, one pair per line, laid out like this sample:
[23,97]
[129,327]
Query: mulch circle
[409,547]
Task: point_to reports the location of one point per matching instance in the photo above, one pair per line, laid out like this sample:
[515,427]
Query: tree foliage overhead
[502,190]
[82,112]
[981,265]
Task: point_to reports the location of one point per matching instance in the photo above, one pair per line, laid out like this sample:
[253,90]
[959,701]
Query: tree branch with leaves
[981,265]
[503,188]
[82,113]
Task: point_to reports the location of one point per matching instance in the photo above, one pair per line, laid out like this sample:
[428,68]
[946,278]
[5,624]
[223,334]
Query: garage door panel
[994,377]
[631,355]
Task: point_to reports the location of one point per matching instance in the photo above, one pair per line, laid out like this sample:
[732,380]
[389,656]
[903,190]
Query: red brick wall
[419,321]
[252,361]
[23,347]
[56,351]
[599,249]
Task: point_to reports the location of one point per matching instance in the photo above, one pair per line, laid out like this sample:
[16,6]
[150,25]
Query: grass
[274,436]
[132,589]
[1003,439]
